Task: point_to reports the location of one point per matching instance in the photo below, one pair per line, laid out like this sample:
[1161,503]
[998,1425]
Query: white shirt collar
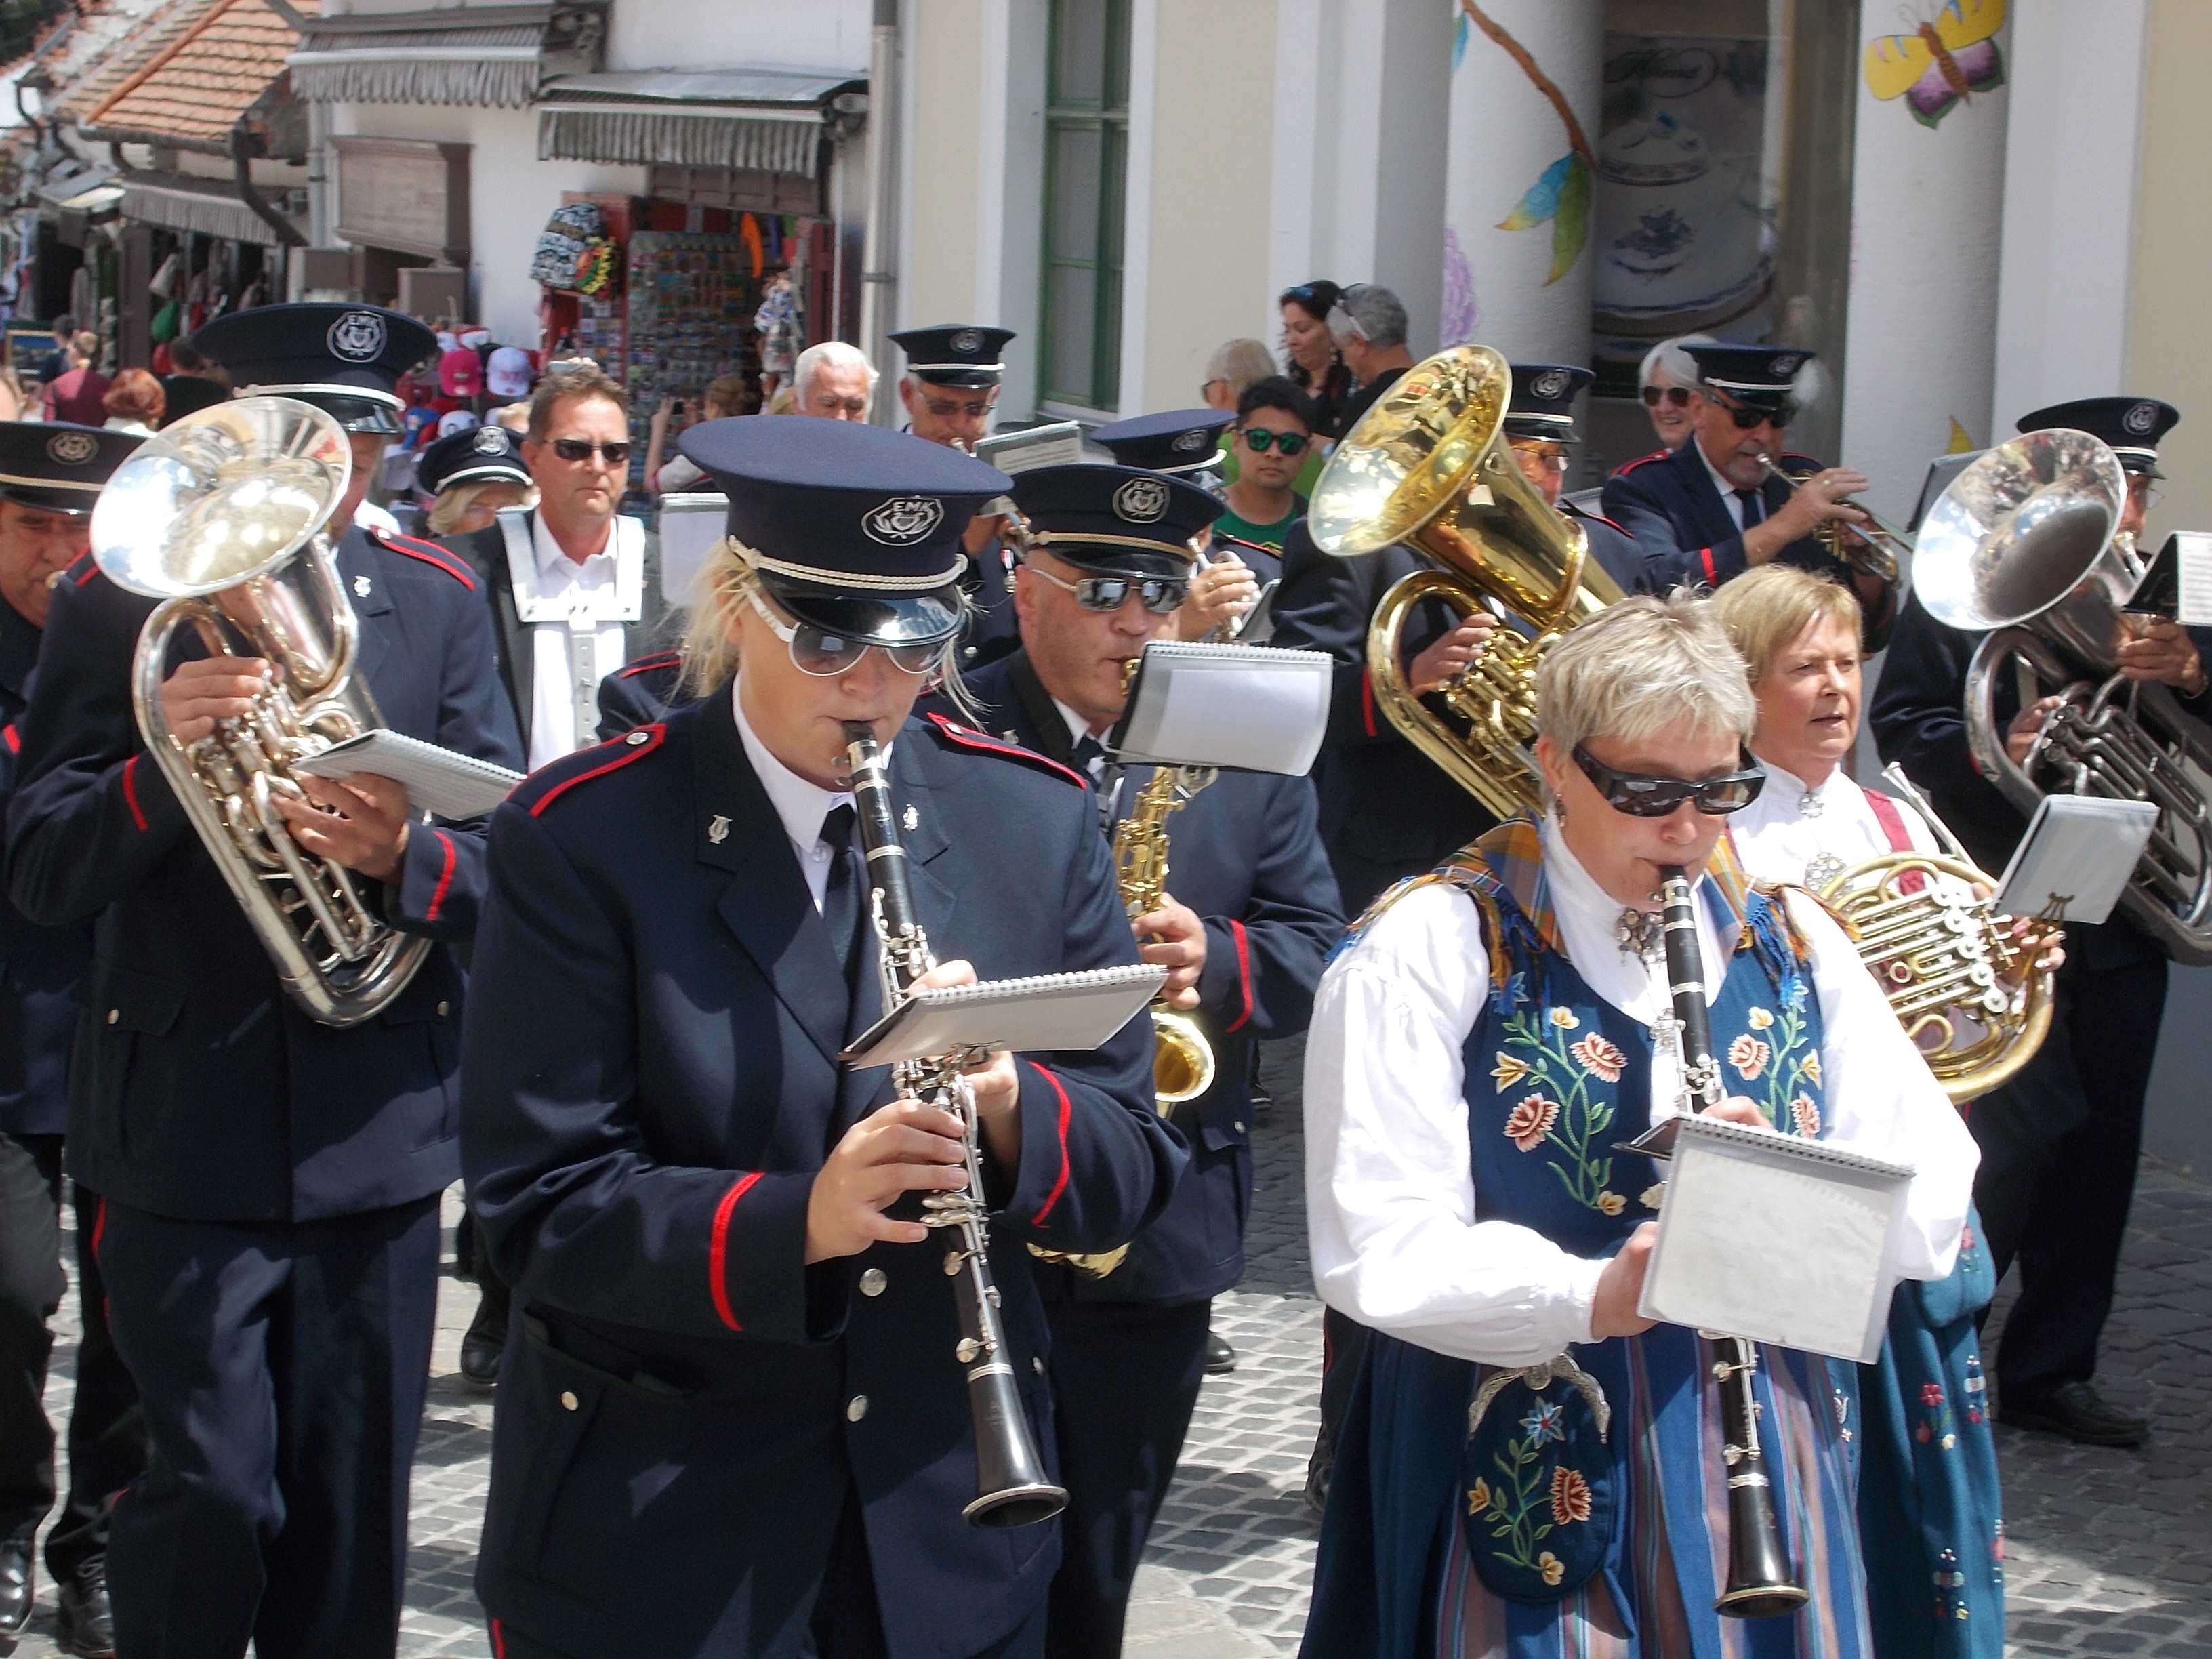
[799,804]
[557,571]
[1588,919]
[1722,481]
[1078,727]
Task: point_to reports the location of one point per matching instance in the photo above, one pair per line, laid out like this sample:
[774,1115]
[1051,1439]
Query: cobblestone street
[2109,1553]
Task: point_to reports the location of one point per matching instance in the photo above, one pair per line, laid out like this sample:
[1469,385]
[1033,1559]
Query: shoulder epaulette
[428,552]
[1600,517]
[983,743]
[557,778]
[1627,467]
[647,665]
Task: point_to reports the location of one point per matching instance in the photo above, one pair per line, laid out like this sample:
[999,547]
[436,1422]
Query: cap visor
[875,619]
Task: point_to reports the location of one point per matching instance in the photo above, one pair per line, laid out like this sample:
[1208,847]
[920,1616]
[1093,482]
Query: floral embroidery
[1565,1019]
[1758,1019]
[1600,1058]
[1571,1497]
[1477,1497]
[1527,1124]
[1976,1390]
[1541,1425]
[1749,1056]
[1806,1115]
[1508,1071]
[1553,1568]
[1611,1203]
[1512,991]
[1935,1428]
[1811,1067]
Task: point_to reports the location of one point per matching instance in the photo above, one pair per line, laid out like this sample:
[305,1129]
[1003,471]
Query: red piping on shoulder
[647,665]
[1626,467]
[969,737]
[628,752]
[429,553]
[91,569]
[1066,1111]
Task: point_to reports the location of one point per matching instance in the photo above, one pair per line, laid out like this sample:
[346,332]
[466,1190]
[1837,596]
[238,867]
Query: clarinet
[1010,1488]
[1761,1583]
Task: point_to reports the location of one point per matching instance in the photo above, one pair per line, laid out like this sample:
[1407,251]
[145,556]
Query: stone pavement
[2109,1553]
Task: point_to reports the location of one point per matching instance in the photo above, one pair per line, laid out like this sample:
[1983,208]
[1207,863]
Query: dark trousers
[1343,1339]
[2059,1146]
[1125,1379]
[283,1368]
[107,1432]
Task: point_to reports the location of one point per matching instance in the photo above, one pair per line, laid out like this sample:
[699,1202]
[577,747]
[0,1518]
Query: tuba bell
[1429,465]
[2022,545]
[222,515]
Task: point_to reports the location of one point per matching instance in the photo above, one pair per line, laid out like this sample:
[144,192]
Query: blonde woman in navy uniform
[269,1233]
[731,1422]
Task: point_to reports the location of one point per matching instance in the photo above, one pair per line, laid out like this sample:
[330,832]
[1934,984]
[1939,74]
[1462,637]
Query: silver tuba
[2022,545]
[222,515]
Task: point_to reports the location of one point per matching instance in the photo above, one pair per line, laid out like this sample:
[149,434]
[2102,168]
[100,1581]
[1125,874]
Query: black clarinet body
[1012,1490]
[1761,1582]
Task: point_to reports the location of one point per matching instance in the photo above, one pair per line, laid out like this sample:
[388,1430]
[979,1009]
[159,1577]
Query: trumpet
[1872,549]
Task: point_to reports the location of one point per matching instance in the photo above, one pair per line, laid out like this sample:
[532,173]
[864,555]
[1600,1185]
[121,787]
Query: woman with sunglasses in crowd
[1476,1059]
[1666,380]
[1309,355]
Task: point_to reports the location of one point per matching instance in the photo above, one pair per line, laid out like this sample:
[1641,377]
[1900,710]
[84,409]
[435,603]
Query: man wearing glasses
[2059,1142]
[1251,914]
[1710,510]
[1540,426]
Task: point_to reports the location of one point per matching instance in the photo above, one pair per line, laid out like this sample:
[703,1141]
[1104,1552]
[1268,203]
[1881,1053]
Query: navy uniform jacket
[641,692]
[1667,502]
[1611,546]
[1387,811]
[652,1083]
[198,1091]
[1245,855]
[992,630]
[40,967]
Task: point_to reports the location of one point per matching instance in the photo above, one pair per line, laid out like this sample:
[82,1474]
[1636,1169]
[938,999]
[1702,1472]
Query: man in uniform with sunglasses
[1710,510]
[732,1422]
[1251,915]
[1540,426]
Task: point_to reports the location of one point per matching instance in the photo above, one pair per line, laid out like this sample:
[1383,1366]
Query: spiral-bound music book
[1068,1013]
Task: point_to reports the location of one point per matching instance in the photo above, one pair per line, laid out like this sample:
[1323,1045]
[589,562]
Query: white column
[1507,136]
[1927,221]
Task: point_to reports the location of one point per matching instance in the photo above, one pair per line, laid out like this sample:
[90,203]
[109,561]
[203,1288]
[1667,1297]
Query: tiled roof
[197,83]
[114,43]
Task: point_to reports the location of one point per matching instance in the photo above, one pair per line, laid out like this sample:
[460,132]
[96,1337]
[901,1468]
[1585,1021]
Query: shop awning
[766,120]
[488,56]
[195,90]
[180,202]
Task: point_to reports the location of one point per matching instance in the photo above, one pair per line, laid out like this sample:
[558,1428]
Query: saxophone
[1182,1060]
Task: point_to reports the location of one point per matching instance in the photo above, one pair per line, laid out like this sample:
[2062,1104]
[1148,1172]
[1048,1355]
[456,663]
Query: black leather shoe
[1220,1358]
[86,1623]
[2078,1412]
[486,1338]
[18,1588]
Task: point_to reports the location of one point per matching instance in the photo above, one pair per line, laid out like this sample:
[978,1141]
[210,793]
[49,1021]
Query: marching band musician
[1928,1497]
[471,477]
[1184,443]
[730,1420]
[2060,1141]
[269,1232]
[50,474]
[1710,511]
[1251,914]
[1475,1059]
[1540,426]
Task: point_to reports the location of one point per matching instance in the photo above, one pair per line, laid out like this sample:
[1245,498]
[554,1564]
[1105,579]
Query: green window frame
[1085,171]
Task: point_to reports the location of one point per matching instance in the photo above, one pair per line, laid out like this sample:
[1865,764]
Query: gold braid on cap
[753,558]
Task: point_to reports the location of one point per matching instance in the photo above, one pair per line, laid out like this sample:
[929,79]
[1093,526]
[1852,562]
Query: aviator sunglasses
[1677,395]
[1643,795]
[579,449]
[1160,594]
[1291,443]
[825,655]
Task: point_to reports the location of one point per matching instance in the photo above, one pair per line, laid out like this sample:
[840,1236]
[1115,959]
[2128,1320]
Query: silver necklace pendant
[1810,805]
[1822,870]
[1638,932]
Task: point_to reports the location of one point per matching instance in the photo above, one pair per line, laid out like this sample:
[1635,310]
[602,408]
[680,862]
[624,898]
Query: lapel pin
[361,586]
[718,830]
[912,820]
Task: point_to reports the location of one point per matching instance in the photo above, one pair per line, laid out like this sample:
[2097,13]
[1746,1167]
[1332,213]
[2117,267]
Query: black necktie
[841,899]
[1754,505]
[1089,757]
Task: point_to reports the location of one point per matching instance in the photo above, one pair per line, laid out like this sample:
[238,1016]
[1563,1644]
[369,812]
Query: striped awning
[764,120]
[180,202]
[484,57]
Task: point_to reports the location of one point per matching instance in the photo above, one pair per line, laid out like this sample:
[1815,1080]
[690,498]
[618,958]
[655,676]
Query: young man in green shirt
[1270,441]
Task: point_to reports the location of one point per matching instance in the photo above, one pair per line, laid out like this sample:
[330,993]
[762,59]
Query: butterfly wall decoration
[1941,61]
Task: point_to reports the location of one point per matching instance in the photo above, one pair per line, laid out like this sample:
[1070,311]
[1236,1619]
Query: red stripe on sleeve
[1367,701]
[1712,579]
[14,742]
[98,1227]
[1066,1111]
[445,876]
[718,1248]
[130,794]
[498,1640]
[1243,975]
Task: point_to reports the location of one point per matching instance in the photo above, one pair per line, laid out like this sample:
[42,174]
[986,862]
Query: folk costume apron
[1580,1511]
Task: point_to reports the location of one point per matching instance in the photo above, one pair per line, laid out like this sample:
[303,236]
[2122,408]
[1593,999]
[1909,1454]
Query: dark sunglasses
[1746,417]
[1641,795]
[1677,395]
[576,449]
[1317,298]
[1159,595]
[1291,443]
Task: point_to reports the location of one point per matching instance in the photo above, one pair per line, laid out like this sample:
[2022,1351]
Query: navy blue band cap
[2132,427]
[1174,441]
[480,453]
[357,408]
[1760,375]
[60,466]
[1120,520]
[955,354]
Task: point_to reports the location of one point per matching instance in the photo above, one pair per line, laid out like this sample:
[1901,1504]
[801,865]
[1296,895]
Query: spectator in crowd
[1368,324]
[1234,366]
[193,383]
[1275,428]
[1670,380]
[725,399]
[134,402]
[78,394]
[58,363]
[12,397]
[833,381]
[1310,352]
[515,417]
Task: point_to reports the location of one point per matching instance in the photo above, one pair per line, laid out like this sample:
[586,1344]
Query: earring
[1559,810]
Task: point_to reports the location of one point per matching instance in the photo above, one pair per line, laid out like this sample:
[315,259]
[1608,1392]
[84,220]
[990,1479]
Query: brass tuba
[1967,993]
[221,516]
[2022,544]
[1429,465]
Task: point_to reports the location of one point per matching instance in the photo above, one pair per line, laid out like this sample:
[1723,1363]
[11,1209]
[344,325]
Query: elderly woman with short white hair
[1477,1056]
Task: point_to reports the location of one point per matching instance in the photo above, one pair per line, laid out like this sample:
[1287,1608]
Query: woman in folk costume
[1928,1511]
[1478,1054]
